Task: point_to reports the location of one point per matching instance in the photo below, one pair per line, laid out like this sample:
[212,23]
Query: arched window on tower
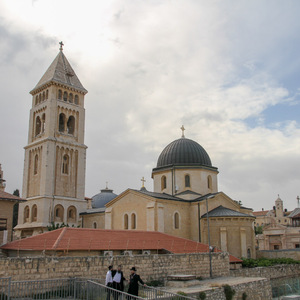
[65,96]
[34,213]
[71,125]
[36,100]
[65,164]
[125,221]
[187,181]
[58,213]
[163,182]
[133,221]
[59,94]
[95,225]
[209,182]
[71,214]
[176,220]
[43,122]
[76,99]
[40,98]
[36,164]
[44,96]
[71,98]
[47,93]
[61,125]
[26,214]
[38,125]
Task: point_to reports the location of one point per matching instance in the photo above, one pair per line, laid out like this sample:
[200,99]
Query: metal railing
[77,289]
[289,286]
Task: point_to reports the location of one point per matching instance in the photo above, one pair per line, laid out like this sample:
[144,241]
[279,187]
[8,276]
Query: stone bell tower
[55,157]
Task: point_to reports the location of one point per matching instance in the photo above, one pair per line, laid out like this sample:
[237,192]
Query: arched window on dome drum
[133,221]
[44,96]
[163,182]
[36,164]
[187,181]
[47,94]
[36,100]
[125,221]
[65,164]
[59,94]
[209,182]
[76,99]
[26,214]
[176,220]
[71,98]
[61,125]
[34,213]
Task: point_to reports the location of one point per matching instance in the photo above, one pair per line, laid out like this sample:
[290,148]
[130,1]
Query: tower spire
[61,46]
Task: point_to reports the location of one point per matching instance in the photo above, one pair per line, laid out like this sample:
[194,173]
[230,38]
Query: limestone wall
[286,253]
[150,267]
[273,272]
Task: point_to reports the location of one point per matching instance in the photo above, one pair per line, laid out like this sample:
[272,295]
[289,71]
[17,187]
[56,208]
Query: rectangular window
[3,224]
[297,245]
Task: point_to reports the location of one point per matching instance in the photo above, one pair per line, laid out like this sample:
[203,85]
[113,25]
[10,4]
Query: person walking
[134,280]
[109,282]
[118,281]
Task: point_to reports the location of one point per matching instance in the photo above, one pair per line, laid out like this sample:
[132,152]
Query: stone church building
[55,156]
[185,185]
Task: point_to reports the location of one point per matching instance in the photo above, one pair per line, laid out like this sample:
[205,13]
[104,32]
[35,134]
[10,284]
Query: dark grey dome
[183,152]
[99,200]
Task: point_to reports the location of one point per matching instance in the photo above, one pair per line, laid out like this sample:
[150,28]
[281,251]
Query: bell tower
[55,156]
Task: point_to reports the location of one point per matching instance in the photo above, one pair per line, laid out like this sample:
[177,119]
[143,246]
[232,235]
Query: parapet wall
[284,253]
[273,272]
[150,267]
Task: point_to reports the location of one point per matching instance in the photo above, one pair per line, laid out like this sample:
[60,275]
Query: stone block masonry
[150,267]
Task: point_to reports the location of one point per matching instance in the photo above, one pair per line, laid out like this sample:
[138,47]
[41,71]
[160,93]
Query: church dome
[183,152]
[101,199]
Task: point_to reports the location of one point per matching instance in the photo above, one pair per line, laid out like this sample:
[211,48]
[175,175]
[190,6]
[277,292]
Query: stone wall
[286,253]
[273,272]
[259,289]
[150,267]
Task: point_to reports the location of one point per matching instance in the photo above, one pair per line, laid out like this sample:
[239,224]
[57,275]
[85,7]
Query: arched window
[38,126]
[65,164]
[40,98]
[187,180]
[36,164]
[163,182]
[71,125]
[125,221]
[209,182]
[47,93]
[249,253]
[76,99]
[36,100]
[133,221]
[44,96]
[71,98]
[59,213]
[34,213]
[59,94]
[26,214]
[72,214]
[65,96]
[61,126]
[176,220]
[43,122]
[95,225]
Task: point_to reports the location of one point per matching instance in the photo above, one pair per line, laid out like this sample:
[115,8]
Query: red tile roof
[9,197]
[71,239]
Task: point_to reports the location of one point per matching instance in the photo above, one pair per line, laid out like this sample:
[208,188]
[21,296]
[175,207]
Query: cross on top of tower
[183,129]
[143,180]
[61,45]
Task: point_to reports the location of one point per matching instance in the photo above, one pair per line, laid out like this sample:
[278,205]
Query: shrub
[244,296]
[266,262]
[202,296]
[228,291]
[181,293]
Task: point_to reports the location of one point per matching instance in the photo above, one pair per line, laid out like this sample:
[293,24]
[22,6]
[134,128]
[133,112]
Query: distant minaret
[2,181]
[55,156]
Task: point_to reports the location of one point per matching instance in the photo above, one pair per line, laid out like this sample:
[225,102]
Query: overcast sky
[228,70]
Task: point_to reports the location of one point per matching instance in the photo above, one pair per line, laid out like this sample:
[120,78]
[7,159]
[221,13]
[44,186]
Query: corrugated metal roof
[222,211]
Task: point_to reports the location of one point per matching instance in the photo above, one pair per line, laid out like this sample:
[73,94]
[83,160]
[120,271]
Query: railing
[77,289]
[290,286]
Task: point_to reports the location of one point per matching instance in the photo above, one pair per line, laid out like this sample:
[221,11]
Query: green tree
[258,229]
[16,208]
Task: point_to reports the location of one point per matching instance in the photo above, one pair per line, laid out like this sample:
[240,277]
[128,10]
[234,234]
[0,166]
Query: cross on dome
[183,129]
[61,45]
[143,180]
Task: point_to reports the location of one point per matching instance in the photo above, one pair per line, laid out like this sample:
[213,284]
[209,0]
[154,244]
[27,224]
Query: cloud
[151,67]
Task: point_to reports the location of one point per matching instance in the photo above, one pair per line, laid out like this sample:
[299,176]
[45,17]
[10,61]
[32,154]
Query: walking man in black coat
[118,281]
[134,282]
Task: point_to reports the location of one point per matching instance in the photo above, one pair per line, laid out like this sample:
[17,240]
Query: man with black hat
[134,280]
[118,281]
[109,281]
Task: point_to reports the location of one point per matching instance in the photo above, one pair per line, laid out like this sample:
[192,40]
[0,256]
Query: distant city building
[55,157]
